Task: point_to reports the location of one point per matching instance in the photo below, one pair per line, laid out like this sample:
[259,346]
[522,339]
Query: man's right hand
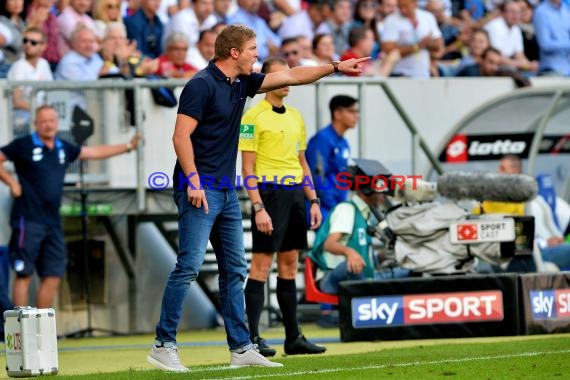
[354,262]
[197,198]
[16,190]
[426,42]
[555,241]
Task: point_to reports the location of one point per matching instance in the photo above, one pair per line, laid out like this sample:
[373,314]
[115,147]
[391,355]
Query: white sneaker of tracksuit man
[167,359]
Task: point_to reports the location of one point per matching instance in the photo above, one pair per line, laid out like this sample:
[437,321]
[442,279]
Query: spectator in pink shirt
[70,17]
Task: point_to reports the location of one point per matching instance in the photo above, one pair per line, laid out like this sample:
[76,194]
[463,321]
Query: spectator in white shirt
[30,67]
[506,36]
[415,34]
[385,9]
[307,21]
[204,50]
[168,8]
[192,21]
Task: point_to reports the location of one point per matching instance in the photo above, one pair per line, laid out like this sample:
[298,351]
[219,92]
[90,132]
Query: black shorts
[286,207]
[40,247]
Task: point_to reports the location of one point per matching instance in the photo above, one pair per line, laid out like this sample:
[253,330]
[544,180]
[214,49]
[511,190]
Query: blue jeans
[223,226]
[331,281]
[559,255]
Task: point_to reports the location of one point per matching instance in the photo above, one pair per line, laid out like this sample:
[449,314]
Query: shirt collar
[217,73]
[334,132]
[38,142]
[362,206]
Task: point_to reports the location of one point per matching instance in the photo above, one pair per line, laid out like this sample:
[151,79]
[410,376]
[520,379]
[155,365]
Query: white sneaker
[166,358]
[251,357]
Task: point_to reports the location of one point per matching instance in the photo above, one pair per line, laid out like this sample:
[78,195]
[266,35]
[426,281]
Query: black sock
[254,302]
[287,299]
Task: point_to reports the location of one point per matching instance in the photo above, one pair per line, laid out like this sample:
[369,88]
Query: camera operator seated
[343,247]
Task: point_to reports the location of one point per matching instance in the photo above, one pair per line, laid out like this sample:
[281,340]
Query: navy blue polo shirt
[217,105]
[41,173]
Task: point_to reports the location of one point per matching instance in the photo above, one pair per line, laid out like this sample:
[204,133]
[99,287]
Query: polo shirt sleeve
[194,98]
[248,133]
[254,83]
[72,151]
[11,150]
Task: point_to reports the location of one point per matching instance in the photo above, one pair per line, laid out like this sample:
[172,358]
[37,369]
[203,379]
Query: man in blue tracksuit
[327,155]
[328,152]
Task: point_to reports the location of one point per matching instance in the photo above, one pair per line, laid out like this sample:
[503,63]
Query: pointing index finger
[358,60]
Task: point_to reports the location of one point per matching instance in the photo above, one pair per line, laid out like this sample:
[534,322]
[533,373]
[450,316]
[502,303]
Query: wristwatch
[335,66]
[316,201]
[258,206]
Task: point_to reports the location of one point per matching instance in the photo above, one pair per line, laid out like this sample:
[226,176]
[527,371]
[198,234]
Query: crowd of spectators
[410,38]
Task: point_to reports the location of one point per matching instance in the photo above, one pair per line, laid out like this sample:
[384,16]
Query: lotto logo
[550,304]
[457,149]
[466,231]
[416,309]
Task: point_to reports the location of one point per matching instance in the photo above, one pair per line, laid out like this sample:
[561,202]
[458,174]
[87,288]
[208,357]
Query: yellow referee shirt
[276,138]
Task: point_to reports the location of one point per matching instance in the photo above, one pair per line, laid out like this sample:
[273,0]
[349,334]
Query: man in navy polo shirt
[206,142]
[37,242]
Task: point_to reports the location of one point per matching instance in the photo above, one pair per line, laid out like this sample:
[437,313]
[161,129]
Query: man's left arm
[8,179]
[308,74]
[436,45]
[105,151]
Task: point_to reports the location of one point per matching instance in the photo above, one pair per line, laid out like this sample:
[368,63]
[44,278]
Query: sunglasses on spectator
[288,53]
[113,6]
[32,42]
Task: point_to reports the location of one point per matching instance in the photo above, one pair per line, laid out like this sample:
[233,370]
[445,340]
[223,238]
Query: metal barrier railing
[417,138]
[136,86]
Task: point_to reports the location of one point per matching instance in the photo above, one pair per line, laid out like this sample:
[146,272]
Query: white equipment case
[31,342]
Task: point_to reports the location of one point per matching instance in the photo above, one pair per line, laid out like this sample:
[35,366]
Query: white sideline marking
[379,366]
